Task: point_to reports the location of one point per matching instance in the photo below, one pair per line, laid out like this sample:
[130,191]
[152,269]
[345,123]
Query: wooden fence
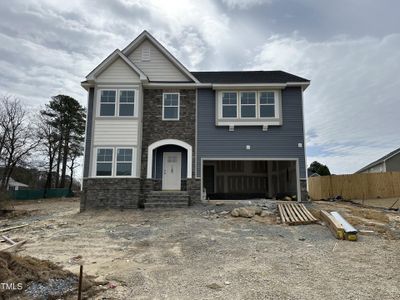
[355,186]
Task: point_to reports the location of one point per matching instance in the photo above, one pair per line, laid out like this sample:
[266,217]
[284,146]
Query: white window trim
[276,104]
[238,121]
[117,102]
[96,161]
[114,162]
[179,106]
[135,94]
[256,104]
[132,161]
[221,105]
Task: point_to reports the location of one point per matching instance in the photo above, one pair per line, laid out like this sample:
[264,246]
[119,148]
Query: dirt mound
[35,278]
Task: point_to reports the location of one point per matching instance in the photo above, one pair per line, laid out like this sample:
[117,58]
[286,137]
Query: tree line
[50,140]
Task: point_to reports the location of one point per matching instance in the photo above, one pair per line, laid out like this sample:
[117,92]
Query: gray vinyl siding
[393,164]
[88,138]
[278,142]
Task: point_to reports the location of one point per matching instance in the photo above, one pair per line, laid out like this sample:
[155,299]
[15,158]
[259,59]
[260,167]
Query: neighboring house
[157,132]
[14,185]
[388,163]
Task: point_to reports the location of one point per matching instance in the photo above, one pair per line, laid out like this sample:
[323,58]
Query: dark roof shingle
[227,77]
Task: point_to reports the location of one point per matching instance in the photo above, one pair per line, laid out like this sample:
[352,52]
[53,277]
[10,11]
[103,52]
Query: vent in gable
[146,53]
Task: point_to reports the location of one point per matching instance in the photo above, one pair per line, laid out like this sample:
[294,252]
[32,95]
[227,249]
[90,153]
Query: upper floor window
[267,104]
[229,104]
[248,104]
[118,103]
[170,106]
[107,102]
[126,102]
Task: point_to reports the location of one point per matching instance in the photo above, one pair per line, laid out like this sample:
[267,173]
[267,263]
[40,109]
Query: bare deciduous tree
[18,137]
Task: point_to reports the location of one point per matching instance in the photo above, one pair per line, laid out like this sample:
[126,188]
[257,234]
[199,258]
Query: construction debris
[350,233]
[11,228]
[14,245]
[340,228]
[295,214]
[336,228]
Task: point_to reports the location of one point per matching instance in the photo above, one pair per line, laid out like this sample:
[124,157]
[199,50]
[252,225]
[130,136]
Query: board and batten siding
[277,142]
[118,72]
[159,67]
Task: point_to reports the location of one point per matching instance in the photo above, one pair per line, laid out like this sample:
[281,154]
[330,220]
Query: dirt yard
[203,253]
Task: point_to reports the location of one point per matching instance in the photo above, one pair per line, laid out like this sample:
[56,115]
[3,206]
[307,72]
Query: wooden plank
[298,211]
[298,214]
[293,216]
[7,239]
[336,228]
[286,217]
[12,228]
[350,232]
[307,212]
[281,214]
[14,247]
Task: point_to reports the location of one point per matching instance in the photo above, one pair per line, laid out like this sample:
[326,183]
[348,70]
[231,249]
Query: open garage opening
[249,179]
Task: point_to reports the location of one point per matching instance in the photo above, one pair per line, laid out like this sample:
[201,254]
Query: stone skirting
[303,190]
[127,192]
[110,193]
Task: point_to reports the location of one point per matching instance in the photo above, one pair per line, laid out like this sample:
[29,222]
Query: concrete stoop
[167,199]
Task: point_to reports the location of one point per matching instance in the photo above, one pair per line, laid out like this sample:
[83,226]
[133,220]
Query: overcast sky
[349,49]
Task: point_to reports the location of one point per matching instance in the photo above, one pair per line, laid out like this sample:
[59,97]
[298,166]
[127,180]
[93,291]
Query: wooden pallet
[295,214]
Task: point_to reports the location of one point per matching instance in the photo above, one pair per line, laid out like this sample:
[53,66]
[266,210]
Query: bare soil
[202,252]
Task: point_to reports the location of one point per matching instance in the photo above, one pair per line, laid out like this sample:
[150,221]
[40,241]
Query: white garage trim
[169,142]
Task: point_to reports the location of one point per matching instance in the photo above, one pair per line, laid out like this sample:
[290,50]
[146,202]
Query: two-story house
[158,134]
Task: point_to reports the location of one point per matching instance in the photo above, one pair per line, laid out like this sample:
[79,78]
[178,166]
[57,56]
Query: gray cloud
[348,48]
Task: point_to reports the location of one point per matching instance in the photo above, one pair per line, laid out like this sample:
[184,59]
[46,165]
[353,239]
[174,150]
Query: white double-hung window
[267,104]
[248,105]
[107,102]
[115,161]
[229,104]
[124,162]
[127,103]
[118,102]
[170,108]
[104,163]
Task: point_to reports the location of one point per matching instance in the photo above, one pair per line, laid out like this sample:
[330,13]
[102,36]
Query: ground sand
[195,253]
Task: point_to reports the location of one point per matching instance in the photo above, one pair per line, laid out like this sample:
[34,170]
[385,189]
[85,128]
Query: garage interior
[248,179]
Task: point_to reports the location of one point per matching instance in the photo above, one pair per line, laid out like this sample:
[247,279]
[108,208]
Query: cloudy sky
[349,49]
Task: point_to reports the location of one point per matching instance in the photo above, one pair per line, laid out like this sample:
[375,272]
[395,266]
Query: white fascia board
[109,60]
[136,42]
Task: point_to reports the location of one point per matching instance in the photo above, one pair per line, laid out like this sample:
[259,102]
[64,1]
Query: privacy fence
[40,193]
[355,186]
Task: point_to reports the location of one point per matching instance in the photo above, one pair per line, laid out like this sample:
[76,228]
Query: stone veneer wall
[110,193]
[155,129]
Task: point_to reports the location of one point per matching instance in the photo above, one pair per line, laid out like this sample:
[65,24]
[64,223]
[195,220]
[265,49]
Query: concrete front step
[167,199]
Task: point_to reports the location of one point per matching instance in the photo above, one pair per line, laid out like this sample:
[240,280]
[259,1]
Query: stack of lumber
[295,214]
[340,228]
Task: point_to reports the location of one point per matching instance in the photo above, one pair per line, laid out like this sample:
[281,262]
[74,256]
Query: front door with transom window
[171,179]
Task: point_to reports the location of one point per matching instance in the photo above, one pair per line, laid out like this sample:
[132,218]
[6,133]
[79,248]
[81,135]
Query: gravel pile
[54,287]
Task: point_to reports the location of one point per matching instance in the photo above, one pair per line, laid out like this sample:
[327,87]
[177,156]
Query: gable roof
[380,160]
[232,77]
[109,60]
[145,35]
